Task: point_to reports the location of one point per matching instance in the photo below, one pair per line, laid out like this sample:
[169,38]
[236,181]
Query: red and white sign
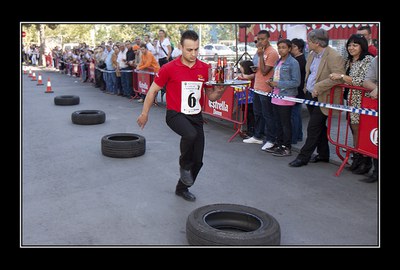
[23,34]
[222,107]
[279,30]
[368,129]
[143,82]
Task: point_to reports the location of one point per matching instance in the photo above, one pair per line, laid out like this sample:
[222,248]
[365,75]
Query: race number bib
[191,93]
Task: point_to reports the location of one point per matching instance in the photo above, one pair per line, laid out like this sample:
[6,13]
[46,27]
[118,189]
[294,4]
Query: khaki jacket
[331,62]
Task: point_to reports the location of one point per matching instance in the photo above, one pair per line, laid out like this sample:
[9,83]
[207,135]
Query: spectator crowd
[273,123]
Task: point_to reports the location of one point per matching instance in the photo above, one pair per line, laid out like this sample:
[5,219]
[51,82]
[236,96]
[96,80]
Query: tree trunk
[42,36]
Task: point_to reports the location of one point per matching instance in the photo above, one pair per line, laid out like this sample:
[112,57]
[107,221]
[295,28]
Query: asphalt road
[73,195]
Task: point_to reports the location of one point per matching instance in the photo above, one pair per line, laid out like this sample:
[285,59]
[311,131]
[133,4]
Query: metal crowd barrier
[339,133]
[229,107]
[141,82]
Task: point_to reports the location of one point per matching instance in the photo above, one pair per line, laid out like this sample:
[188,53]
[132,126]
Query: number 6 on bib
[190,101]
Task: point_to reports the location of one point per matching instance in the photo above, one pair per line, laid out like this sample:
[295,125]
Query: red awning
[278,30]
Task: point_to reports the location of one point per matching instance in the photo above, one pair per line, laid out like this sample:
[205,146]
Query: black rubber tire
[123,145]
[88,117]
[232,224]
[66,100]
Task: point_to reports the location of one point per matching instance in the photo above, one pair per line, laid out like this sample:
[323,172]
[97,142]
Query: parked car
[217,50]
[241,49]
[69,46]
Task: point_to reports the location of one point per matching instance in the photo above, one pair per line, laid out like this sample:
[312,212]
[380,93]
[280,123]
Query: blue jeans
[126,82]
[264,123]
[297,124]
[83,72]
[118,85]
[110,78]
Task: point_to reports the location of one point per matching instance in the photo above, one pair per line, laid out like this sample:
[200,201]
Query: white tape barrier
[113,71]
[320,104]
[127,70]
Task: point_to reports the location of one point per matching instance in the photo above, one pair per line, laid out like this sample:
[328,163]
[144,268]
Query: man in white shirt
[123,67]
[164,48]
[149,46]
[177,51]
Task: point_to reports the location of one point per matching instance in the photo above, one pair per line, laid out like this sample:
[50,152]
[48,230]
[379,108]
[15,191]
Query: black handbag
[102,65]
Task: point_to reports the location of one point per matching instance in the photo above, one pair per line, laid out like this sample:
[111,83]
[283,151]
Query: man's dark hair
[286,41]
[261,32]
[189,34]
[368,28]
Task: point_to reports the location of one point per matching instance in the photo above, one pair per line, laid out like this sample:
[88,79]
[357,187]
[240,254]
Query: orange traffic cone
[33,76]
[24,69]
[30,73]
[40,80]
[48,89]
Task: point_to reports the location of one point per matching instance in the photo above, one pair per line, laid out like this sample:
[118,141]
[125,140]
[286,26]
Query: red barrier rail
[367,143]
[141,82]
[228,107]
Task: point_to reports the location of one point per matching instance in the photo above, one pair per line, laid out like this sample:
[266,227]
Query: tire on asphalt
[232,224]
[123,145]
[88,117]
[66,100]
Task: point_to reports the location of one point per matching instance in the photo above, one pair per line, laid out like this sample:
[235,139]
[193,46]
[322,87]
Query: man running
[184,78]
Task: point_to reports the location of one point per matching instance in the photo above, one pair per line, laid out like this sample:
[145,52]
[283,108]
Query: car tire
[88,117]
[66,100]
[123,145]
[232,224]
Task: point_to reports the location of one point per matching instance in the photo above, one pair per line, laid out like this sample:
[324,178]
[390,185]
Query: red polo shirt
[372,50]
[184,85]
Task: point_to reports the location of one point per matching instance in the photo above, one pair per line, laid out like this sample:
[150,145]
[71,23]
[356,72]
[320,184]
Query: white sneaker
[253,140]
[267,145]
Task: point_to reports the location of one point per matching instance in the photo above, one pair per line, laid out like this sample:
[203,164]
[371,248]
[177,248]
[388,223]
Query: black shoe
[273,149]
[186,194]
[370,179]
[297,163]
[317,158]
[186,177]
[357,160]
[364,167]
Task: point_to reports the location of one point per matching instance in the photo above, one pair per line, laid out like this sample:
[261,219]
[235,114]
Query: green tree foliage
[94,34]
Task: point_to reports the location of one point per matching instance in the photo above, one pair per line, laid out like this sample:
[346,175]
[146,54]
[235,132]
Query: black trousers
[283,119]
[316,133]
[190,128]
